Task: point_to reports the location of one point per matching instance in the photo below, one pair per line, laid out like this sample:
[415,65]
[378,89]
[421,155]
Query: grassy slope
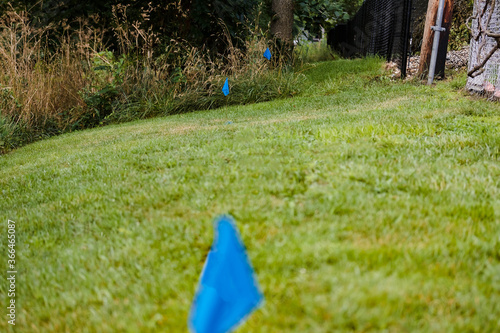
[365,205]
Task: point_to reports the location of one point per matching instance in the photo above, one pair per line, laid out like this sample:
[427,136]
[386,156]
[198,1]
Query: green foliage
[16,133]
[236,16]
[108,69]
[7,98]
[459,37]
[99,105]
[4,6]
[101,96]
[460,32]
[310,16]
[8,128]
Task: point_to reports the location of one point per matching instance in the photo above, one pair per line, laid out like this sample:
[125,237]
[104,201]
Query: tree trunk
[282,21]
[426,50]
[281,29]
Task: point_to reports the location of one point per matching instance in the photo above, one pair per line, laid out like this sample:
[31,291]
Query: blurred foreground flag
[267,54]
[228,291]
[225,89]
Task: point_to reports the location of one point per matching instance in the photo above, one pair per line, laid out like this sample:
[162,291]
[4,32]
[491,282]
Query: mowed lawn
[365,205]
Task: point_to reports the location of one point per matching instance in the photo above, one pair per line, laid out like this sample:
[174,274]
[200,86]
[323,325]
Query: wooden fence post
[426,50]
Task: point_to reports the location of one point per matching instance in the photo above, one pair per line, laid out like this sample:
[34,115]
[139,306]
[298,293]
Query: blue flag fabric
[267,54]
[225,89]
[228,291]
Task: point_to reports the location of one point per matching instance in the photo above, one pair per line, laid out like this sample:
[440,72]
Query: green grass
[365,205]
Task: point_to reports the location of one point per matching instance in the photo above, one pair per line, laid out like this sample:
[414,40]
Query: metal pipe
[437,32]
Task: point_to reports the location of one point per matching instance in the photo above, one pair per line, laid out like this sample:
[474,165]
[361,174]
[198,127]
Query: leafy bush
[312,15]
[460,32]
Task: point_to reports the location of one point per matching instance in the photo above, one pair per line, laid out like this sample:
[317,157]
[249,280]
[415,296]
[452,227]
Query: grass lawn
[365,205]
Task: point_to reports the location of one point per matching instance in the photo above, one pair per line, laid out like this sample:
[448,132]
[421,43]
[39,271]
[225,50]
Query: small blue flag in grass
[225,89]
[228,291]
[267,54]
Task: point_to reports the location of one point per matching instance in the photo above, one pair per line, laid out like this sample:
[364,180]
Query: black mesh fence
[380,27]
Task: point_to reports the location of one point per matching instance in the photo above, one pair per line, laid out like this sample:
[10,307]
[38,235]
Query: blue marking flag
[228,291]
[225,89]
[267,54]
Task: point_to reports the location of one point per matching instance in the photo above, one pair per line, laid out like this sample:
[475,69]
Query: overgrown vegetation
[80,84]
[365,204]
[69,65]
[313,15]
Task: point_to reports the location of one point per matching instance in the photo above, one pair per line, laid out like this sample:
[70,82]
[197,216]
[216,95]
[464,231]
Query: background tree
[282,21]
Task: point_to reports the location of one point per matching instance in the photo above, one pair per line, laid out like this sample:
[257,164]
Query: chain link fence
[384,28]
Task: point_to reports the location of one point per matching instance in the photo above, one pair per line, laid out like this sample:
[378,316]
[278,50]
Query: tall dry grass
[39,86]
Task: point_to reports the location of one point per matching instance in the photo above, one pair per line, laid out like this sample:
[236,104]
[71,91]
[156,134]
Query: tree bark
[282,22]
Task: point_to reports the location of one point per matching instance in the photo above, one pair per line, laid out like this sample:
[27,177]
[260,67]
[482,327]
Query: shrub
[460,32]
